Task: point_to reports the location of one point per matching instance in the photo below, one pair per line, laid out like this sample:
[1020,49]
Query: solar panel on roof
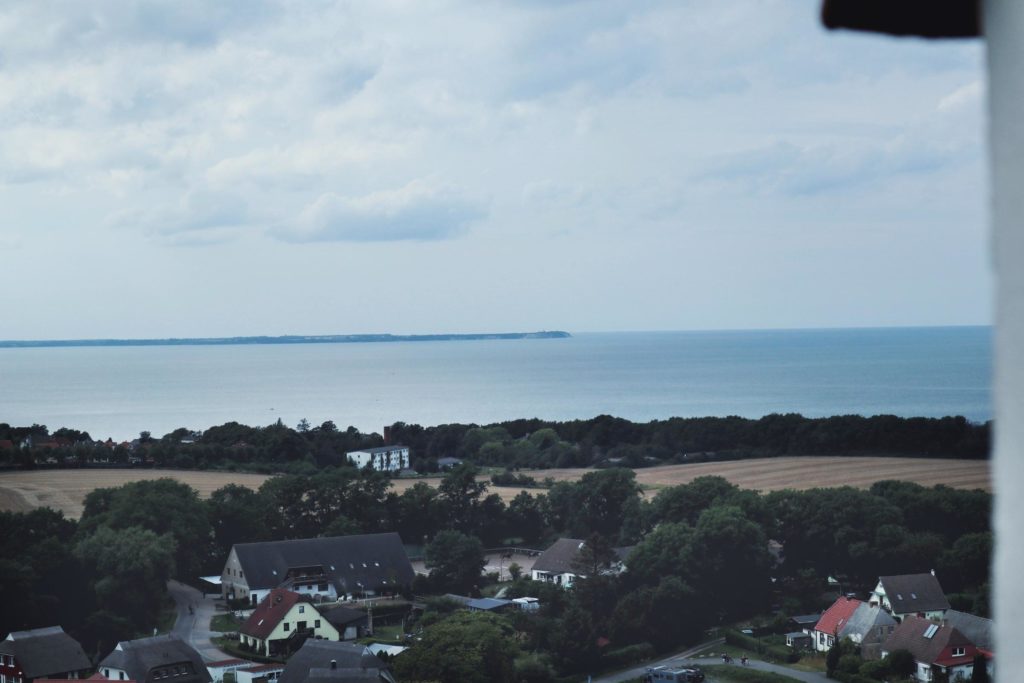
[930,631]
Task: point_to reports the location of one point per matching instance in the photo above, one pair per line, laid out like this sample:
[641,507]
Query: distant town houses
[42,653]
[383,459]
[155,660]
[560,564]
[339,567]
[941,651]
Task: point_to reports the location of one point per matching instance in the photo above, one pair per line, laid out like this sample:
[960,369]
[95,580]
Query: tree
[460,491]
[455,561]
[595,557]
[303,426]
[901,663]
[466,647]
[833,656]
[980,672]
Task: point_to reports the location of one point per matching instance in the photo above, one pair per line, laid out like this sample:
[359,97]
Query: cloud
[417,211]
[196,211]
[964,96]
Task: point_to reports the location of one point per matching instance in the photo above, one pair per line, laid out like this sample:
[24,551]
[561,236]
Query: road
[194,627]
[686,658]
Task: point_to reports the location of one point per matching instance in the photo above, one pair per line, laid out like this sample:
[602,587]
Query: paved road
[673,660]
[194,628]
[805,676]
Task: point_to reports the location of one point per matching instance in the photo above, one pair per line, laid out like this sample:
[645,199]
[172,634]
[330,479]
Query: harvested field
[66,489]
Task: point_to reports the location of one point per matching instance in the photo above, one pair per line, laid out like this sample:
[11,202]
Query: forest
[602,441]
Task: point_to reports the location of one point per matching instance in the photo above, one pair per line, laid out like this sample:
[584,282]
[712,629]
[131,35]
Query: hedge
[628,655]
[773,652]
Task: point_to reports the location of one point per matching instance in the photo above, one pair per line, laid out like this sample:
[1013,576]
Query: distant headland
[285,339]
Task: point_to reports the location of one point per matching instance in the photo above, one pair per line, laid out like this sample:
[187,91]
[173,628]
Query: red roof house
[832,622]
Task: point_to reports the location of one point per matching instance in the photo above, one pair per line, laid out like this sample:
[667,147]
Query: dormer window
[959,651]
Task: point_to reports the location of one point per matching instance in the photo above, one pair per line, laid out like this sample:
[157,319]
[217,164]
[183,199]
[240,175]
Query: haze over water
[119,391]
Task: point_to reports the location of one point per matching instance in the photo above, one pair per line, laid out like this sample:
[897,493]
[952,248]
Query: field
[66,489]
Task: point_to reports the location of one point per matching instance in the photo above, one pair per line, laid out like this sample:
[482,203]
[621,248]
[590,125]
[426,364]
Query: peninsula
[286,339]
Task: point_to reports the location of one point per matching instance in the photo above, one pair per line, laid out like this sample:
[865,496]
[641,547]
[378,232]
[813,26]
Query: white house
[905,595]
[382,459]
[558,564]
[282,616]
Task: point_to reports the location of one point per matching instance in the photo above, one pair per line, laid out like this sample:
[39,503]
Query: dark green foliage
[630,654]
[455,561]
[876,670]
[464,648]
[778,653]
[901,663]
[738,674]
[980,672]
[849,664]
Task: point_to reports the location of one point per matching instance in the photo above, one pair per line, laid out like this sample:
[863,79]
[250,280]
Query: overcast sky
[190,168]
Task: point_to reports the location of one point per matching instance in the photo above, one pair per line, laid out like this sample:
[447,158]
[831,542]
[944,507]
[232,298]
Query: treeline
[702,549]
[603,441]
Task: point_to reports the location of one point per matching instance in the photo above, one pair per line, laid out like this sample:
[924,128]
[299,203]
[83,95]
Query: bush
[849,664]
[628,655]
[844,677]
[874,670]
[773,652]
[739,674]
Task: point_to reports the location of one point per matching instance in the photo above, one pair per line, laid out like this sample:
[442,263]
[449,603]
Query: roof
[461,599]
[927,640]
[340,617]
[806,619]
[909,593]
[269,613]
[352,563]
[977,629]
[260,668]
[221,663]
[864,619]
[449,461]
[314,655]
[141,657]
[561,556]
[835,617]
[487,604]
[45,651]
[380,449]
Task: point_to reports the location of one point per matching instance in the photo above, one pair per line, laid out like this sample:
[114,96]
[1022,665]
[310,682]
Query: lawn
[739,674]
[168,616]
[225,622]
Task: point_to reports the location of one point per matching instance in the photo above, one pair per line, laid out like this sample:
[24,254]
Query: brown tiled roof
[912,635]
[909,593]
[269,613]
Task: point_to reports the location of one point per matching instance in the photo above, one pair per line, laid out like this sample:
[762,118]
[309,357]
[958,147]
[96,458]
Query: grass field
[66,489]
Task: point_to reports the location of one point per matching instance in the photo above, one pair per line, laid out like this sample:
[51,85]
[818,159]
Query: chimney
[387,436]
[334,663]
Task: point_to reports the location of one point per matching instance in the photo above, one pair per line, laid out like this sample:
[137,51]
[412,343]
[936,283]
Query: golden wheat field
[66,489]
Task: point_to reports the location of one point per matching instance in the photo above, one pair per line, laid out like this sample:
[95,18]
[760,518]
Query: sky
[196,169]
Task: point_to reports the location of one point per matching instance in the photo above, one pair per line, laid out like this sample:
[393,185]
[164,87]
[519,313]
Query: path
[671,660]
[195,628]
[805,676]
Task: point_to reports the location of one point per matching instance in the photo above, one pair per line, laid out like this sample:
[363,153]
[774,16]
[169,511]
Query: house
[805,622]
[559,563]
[351,623]
[798,640]
[488,605]
[382,459]
[282,622]
[448,463]
[868,626]
[259,672]
[977,629]
[160,658]
[831,623]
[329,568]
[324,661]
[42,653]
[941,652]
[220,667]
[911,594]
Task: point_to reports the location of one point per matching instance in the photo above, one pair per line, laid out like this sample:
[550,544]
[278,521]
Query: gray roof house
[328,567]
[159,658]
[868,626]
[977,629]
[911,594]
[42,653]
[326,661]
[558,564]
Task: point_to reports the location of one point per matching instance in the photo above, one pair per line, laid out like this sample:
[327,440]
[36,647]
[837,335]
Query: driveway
[194,628]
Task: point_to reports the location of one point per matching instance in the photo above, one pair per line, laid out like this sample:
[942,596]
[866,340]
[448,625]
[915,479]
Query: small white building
[558,564]
[382,459]
[266,672]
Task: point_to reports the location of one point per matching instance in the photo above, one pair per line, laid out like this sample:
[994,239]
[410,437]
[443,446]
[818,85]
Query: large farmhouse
[41,653]
[559,564]
[383,459]
[329,568]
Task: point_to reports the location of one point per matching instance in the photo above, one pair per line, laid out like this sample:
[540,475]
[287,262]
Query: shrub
[772,652]
[628,655]
[849,664]
[874,670]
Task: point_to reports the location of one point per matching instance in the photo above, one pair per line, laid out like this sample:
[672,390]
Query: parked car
[665,674]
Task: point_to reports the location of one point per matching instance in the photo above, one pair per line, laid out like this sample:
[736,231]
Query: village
[367,606]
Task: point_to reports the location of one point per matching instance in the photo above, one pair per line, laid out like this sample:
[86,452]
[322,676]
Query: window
[322,587]
[287,626]
[316,623]
[959,652]
[302,609]
[120,675]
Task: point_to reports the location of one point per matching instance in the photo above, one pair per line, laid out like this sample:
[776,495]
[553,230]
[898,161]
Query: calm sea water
[119,391]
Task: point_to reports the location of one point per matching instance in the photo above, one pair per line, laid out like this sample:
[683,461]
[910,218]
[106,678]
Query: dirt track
[66,489]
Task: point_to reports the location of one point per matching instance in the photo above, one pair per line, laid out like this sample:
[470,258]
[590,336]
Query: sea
[119,391]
